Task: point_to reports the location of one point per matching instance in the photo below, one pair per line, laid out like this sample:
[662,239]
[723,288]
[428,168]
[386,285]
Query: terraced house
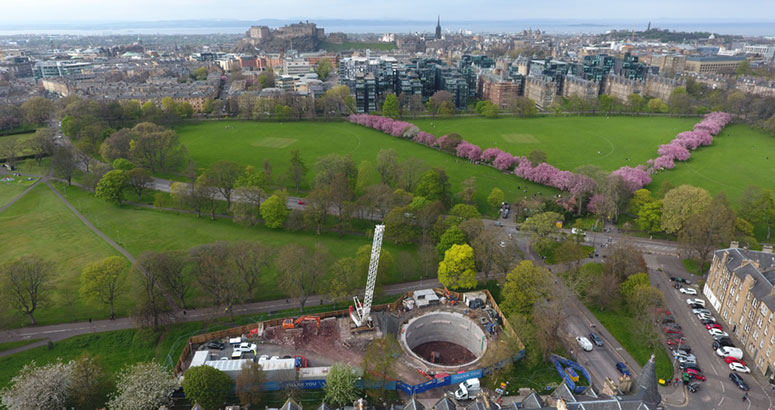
[741,288]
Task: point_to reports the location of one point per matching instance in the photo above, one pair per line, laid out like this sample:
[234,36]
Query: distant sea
[383,26]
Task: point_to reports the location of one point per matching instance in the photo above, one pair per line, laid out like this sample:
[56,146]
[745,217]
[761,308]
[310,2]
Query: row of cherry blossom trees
[678,149]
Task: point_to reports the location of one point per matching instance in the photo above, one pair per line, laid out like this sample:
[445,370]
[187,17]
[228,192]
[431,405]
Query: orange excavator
[292,324]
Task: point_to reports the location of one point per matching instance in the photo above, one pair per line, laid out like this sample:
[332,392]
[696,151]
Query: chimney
[734,244]
[767,248]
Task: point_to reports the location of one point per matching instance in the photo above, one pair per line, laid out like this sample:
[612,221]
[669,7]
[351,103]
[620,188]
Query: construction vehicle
[360,313]
[292,324]
[451,299]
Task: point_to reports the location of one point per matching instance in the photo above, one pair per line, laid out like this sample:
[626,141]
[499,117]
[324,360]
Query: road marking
[720,401]
[722,386]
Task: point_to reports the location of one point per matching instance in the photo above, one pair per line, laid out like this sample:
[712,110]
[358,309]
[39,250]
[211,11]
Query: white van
[468,389]
[728,351]
[584,343]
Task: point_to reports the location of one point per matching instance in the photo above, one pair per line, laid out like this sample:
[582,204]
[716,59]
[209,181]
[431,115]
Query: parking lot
[717,392]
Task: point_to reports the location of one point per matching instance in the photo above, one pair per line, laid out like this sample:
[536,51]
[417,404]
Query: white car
[247,347]
[584,343]
[682,354]
[688,291]
[728,351]
[695,301]
[686,360]
[701,310]
[717,332]
[706,317]
[737,367]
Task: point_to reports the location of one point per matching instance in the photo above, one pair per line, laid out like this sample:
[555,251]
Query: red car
[673,331]
[301,202]
[693,373]
[730,359]
[713,326]
[676,342]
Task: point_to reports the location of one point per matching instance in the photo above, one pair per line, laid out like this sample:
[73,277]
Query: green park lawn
[250,143]
[9,191]
[21,139]
[569,142]
[40,224]
[738,157]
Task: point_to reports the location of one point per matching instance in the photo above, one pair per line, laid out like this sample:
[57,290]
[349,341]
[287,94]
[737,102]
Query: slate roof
[764,275]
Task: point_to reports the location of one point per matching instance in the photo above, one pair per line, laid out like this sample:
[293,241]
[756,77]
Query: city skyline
[47,11]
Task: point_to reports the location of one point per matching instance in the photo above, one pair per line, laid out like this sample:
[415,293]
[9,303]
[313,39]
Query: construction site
[442,334]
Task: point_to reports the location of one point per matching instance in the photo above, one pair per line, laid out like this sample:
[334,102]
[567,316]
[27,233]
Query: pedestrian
[89,320]
[184,312]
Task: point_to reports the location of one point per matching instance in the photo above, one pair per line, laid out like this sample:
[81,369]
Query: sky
[14,11]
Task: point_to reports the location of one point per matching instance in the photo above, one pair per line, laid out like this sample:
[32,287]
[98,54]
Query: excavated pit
[457,339]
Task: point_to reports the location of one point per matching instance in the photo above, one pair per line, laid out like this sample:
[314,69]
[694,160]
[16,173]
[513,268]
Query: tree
[525,285]
[650,216]
[139,179]
[548,317]
[37,110]
[91,385]
[251,260]
[452,236]
[156,148]
[215,273]
[207,386]
[496,198]
[757,205]
[465,212]
[468,195]
[64,163]
[117,145]
[111,186]
[657,105]
[298,169]
[624,261]
[122,164]
[340,385]
[274,211]
[679,204]
[387,166]
[542,225]
[143,386]
[103,281]
[344,280]
[628,286]
[301,270]
[248,209]
[769,125]
[26,283]
[744,68]
[362,259]
[169,268]
[10,148]
[486,246]
[679,101]
[42,143]
[323,69]
[391,108]
[151,305]
[379,360]
[434,185]
[712,227]
[248,384]
[39,387]
[457,269]
[635,102]
[536,157]
[223,176]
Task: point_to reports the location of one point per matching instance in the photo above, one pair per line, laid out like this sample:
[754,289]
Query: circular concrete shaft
[456,335]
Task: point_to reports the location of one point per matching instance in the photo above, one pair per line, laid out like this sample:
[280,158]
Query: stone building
[620,87]
[541,90]
[575,86]
[497,90]
[741,289]
[660,87]
[713,64]
[669,63]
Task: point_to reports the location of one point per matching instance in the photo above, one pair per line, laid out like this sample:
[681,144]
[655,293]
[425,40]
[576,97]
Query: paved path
[18,197]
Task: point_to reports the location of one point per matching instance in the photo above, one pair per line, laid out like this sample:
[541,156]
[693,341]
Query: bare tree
[301,270]
[215,274]
[42,143]
[169,269]
[26,284]
[251,260]
[152,307]
[548,316]
[248,384]
[10,149]
[139,180]
[64,163]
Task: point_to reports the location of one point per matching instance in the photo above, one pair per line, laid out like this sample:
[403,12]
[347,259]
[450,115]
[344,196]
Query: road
[718,392]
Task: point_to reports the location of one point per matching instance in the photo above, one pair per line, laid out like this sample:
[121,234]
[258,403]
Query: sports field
[740,156]
[569,142]
[249,143]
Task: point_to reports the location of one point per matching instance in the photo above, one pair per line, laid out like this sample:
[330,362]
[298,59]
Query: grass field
[21,139]
[569,142]
[40,224]
[9,191]
[250,143]
[739,157]
[13,345]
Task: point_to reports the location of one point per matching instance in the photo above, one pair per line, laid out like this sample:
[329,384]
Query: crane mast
[360,314]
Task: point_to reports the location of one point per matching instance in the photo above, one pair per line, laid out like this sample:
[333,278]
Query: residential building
[741,288]
[497,90]
[540,89]
[713,64]
[296,66]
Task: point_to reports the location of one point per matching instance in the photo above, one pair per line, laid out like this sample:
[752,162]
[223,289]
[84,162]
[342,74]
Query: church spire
[438,28]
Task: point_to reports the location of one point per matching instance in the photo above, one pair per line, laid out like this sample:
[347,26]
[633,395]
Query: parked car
[584,343]
[216,344]
[499,224]
[729,359]
[738,380]
[668,319]
[694,374]
[685,366]
[673,331]
[693,387]
[696,306]
[673,326]
[708,321]
[737,367]
[622,368]
[300,202]
[702,311]
[682,360]
[724,342]
[683,348]
[688,291]
[688,356]
[597,340]
[729,351]
[695,301]
[716,332]
[706,317]
[713,326]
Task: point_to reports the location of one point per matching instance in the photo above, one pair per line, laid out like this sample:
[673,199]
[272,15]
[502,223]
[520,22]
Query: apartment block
[741,288]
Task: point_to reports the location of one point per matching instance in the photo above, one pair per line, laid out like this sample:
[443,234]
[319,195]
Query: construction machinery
[360,313]
[292,324]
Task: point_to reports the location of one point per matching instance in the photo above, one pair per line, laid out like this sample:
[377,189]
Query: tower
[438,29]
